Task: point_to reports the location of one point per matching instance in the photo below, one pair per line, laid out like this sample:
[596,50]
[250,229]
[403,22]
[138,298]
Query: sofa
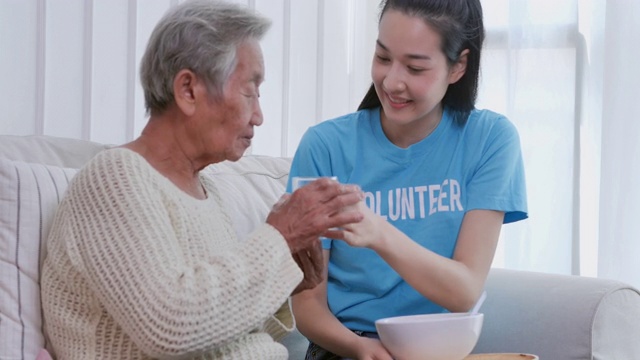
[557,317]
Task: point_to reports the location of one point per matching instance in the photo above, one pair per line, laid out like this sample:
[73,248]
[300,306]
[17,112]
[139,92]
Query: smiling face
[228,120]
[411,75]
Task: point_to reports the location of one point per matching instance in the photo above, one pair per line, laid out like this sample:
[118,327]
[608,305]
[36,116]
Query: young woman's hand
[368,232]
[372,349]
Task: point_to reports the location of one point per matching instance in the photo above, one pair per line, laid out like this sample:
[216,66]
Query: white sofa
[554,316]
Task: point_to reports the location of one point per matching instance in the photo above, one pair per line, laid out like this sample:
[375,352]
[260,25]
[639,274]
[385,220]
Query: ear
[186,89]
[459,68]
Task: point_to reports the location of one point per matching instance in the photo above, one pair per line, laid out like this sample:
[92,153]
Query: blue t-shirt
[423,190]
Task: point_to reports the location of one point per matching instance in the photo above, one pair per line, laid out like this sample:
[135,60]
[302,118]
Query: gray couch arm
[560,316]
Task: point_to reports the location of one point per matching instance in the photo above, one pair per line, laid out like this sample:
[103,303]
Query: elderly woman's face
[235,115]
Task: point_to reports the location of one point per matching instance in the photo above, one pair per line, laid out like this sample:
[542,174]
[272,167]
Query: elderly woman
[143,261]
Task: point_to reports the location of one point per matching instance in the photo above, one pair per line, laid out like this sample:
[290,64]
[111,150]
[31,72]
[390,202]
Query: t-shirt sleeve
[312,159]
[498,182]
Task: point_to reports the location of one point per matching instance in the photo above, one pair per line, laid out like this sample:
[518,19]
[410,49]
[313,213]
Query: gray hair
[199,35]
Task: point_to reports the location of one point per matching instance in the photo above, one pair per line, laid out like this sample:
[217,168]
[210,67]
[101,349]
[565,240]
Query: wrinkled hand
[372,349]
[310,211]
[311,262]
[365,233]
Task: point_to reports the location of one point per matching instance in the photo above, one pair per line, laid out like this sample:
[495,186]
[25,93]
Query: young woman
[440,178]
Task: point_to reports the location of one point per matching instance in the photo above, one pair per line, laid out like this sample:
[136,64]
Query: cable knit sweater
[138,269]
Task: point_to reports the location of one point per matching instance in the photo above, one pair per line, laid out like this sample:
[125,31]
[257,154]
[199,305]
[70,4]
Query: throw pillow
[29,196]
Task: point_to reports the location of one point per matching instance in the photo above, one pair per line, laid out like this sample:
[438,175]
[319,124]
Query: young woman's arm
[319,325]
[454,283]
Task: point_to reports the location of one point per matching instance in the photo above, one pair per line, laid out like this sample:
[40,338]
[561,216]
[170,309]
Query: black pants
[315,352]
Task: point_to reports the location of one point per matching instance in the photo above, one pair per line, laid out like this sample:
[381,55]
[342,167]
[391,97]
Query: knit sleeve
[122,239]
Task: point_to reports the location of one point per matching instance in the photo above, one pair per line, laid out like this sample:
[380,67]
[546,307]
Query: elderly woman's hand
[310,211]
[311,262]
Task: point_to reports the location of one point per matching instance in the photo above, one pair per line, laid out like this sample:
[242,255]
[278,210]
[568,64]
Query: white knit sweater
[137,269]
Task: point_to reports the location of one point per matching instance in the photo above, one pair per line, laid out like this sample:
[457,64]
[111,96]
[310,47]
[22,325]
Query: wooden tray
[502,356]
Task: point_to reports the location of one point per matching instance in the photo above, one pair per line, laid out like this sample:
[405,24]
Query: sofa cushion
[49,150]
[29,196]
[249,187]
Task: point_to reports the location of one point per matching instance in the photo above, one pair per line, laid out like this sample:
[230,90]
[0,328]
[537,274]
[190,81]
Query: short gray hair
[199,35]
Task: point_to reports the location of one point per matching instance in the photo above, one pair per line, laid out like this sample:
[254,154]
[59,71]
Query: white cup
[299,181]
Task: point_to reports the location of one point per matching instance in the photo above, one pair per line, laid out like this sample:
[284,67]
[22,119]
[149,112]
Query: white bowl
[447,336]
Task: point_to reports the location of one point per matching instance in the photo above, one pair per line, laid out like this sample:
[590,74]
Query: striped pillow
[29,195]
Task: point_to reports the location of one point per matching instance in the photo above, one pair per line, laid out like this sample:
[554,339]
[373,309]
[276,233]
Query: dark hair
[459,23]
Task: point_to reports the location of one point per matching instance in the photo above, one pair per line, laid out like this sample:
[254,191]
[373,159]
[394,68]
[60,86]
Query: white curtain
[562,70]
[529,74]
[619,211]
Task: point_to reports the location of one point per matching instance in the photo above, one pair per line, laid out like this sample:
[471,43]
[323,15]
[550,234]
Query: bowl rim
[418,318]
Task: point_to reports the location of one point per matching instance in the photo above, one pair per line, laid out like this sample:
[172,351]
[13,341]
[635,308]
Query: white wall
[69,68]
